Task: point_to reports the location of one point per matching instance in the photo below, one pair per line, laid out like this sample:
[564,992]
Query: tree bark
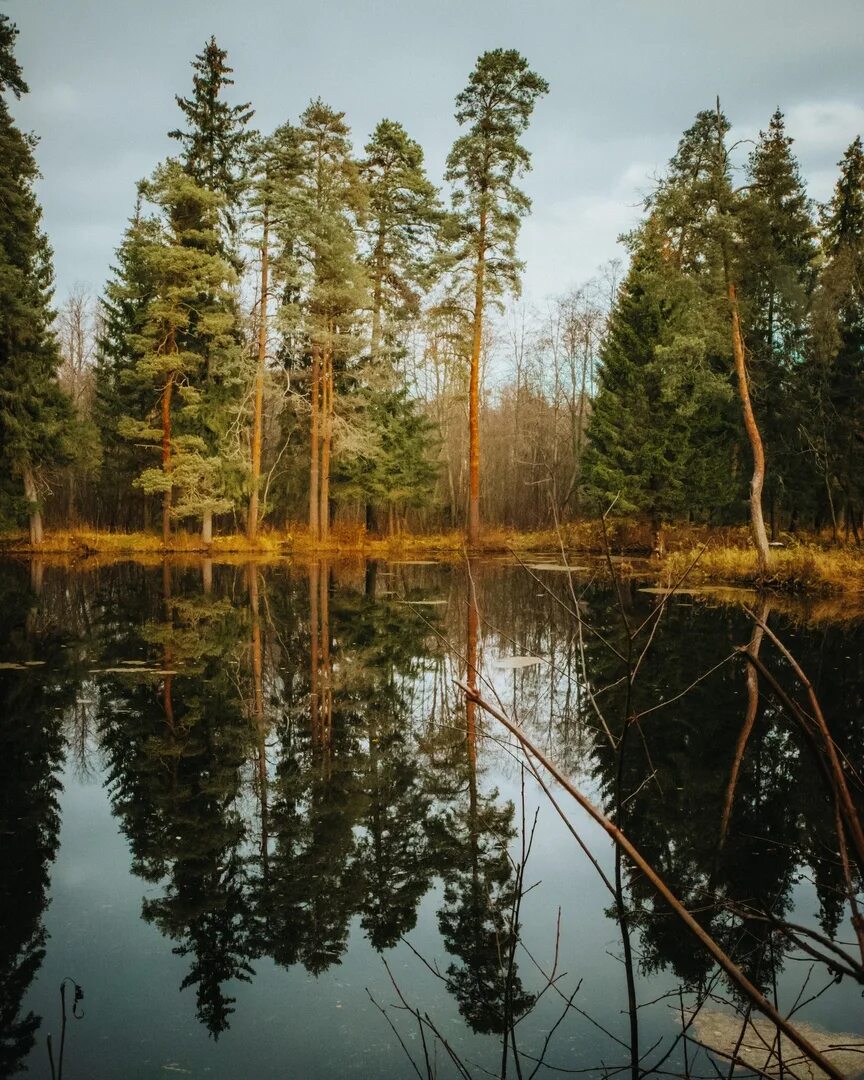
[326,442]
[207,527]
[166,456]
[258,408]
[314,527]
[757,481]
[32,497]
[474,389]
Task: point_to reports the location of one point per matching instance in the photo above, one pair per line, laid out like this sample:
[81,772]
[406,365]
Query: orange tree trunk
[258,408]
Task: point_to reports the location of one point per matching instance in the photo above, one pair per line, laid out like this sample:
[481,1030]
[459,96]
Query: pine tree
[216,146]
[277,164]
[402,230]
[325,284]
[404,214]
[483,165]
[186,346]
[35,416]
[777,257]
[839,332]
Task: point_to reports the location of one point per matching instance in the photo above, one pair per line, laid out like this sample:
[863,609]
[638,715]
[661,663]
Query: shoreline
[720,556]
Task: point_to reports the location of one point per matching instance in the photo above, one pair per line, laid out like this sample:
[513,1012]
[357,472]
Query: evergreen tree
[482,166]
[777,257]
[216,146]
[701,214]
[390,464]
[839,333]
[404,214]
[186,344]
[117,394]
[659,424]
[35,416]
[325,284]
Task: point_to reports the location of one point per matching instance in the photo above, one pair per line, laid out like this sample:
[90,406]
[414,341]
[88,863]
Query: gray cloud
[626,77]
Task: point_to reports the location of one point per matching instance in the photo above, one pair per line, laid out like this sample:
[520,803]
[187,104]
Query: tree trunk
[326,442]
[207,527]
[474,390]
[32,497]
[166,457]
[371,519]
[757,481]
[314,527]
[258,408]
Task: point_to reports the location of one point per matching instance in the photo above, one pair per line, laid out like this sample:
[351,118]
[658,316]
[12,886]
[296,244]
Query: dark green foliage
[839,333]
[391,464]
[484,164]
[777,271]
[34,413]
[216,147]
[658,433]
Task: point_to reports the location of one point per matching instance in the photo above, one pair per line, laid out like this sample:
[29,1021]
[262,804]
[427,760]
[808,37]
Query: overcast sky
[626,77]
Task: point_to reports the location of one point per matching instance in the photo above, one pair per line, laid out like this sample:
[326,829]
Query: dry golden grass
[799,568]
[810,567]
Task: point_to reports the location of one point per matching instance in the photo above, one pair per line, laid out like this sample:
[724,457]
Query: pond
[249,812]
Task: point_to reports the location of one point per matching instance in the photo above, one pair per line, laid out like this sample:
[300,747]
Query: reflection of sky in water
[138,1022]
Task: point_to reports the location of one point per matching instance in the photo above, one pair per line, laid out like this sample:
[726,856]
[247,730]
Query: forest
[299,336]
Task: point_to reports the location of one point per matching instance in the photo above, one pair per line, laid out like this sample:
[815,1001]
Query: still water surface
[246,809]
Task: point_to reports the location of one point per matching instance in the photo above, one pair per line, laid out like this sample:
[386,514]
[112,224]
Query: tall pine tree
[483,165]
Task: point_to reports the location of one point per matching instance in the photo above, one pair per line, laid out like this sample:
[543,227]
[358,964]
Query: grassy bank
[805,568]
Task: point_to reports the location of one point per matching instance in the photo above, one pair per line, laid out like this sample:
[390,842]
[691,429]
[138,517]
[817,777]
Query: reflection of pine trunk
[474,388]
[258,710]
[749,720]
[371,577]
[167,651]
[326,688]
[314,571]
[470,705]
[258,407]
[207,576]
[32,497]
[314,450]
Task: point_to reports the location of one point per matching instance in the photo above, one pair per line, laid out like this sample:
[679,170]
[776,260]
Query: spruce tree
[215,148]
[35,416]
[701,213]
[777,259]
[659,421]
[483,165]
[124,312]
[839,333]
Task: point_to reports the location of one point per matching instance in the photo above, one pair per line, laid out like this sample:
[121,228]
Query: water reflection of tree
[347,804]
[675,781]
[478,920]
[177,747]
[32,702]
